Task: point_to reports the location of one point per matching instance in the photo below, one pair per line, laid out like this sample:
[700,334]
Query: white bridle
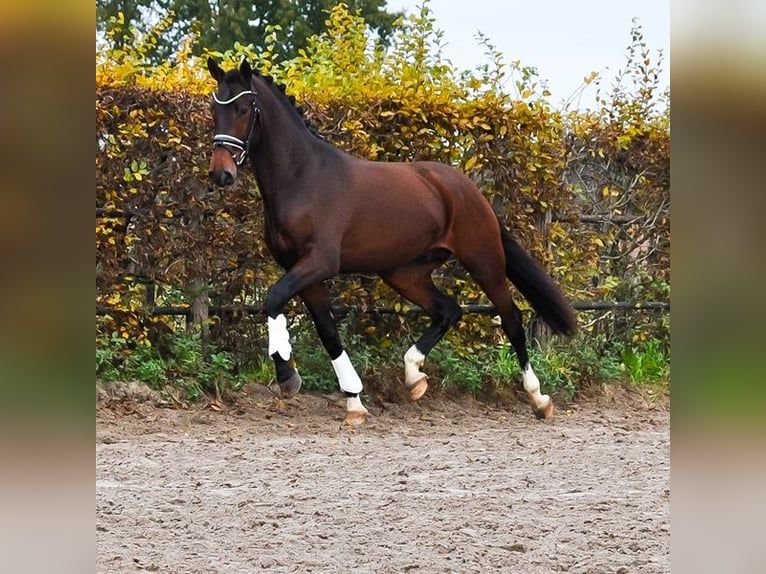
[227,141]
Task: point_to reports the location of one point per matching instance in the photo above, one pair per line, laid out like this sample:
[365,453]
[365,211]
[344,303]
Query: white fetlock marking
[413,360]
[354,405]
[348,379]
[279,338]
[532,386]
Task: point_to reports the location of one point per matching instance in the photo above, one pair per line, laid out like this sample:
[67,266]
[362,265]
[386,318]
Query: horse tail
[529,277]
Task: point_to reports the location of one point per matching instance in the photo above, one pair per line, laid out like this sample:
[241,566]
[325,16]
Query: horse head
[235,114]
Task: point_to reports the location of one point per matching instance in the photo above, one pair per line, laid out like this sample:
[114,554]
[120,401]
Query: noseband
[228,141]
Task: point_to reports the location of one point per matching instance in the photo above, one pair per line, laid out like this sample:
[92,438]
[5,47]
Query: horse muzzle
[223,170]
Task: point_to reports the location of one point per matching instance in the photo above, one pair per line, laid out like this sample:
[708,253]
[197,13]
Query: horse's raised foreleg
[414,283]
[317,301]
[280,351]
[298,278]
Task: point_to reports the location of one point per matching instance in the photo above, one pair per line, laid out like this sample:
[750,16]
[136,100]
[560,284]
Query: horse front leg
[305,278]
[317,301]
[300,276]
[280,351]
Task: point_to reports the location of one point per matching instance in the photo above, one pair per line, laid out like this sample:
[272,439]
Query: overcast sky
[565,40]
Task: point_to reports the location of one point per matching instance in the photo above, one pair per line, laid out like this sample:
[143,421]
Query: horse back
[402,210]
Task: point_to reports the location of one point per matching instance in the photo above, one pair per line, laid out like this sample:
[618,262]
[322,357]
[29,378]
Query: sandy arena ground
[442,485]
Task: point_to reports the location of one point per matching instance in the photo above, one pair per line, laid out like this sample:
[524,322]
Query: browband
[235,98]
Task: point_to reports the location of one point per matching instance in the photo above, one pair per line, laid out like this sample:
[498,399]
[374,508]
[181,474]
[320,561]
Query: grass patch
[183,361]
[196,368]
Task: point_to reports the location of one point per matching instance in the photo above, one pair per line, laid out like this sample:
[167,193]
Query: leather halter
[228,141]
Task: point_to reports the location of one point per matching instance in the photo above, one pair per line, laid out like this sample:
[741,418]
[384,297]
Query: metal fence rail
[186,311]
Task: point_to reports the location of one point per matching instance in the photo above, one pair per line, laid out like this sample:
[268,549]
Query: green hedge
[540,167]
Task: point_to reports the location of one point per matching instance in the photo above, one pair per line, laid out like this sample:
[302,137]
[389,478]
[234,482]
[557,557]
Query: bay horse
[327,213]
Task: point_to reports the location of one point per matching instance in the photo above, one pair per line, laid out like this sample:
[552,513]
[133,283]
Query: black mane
[280,91]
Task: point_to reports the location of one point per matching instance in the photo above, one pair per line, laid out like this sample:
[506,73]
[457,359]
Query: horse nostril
[221,178]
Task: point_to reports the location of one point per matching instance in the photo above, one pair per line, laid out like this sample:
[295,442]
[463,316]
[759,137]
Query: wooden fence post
[539,330]
[200,309]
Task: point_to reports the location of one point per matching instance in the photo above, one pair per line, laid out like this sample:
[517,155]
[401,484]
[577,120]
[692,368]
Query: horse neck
[285,145]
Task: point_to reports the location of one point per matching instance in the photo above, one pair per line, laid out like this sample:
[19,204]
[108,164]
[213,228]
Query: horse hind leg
[488,270]
[414,283]
[542,405]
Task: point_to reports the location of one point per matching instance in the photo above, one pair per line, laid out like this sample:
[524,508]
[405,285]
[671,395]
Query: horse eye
[241,111]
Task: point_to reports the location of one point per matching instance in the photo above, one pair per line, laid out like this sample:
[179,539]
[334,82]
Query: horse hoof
[418,389]
[355,418]
[545,412]
[291,386]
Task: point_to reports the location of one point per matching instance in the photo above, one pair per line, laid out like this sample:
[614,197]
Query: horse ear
[214,69]
[245,70]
